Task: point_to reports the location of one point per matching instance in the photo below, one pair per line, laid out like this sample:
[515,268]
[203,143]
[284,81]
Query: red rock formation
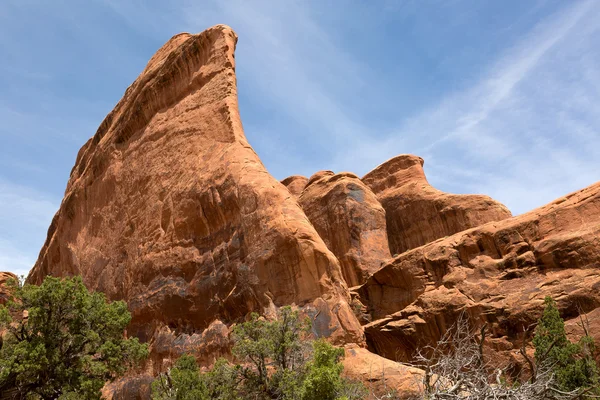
[295,184]
[4,290]
[347,215]
[169,208]
[381,375]
[499,273]
[417,213]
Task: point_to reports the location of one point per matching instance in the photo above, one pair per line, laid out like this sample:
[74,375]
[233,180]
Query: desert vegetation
[455,368]
[61,341]
[274,360]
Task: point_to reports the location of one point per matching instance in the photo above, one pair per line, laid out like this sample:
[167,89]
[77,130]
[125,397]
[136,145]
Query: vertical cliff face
[169,208]
[417,213]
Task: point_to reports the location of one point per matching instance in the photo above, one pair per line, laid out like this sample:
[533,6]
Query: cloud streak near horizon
[498,99]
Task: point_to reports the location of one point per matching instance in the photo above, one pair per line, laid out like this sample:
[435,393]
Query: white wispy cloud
[528,129]
[516,133]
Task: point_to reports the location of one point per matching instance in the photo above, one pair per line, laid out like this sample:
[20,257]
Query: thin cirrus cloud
[498,99]
[525,131]
[530,128]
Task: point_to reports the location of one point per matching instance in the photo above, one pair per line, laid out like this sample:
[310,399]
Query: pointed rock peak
[295,184]
[396,172]
[178,40]
[318,175]
[183,67]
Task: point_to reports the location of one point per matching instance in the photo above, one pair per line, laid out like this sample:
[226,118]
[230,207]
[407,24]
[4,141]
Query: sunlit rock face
[499,273]
[349,218]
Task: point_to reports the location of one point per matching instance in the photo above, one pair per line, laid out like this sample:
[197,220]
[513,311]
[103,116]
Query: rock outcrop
[417,213]
[5,277]
[295,184]
[499,273]
[380,375]
[169,208]
[349,218]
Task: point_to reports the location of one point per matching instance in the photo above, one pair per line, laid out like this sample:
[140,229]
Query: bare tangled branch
[455,369]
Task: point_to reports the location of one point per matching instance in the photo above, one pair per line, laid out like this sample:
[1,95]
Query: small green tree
[573,363]
[62,340]
[323,378]
[222,381]
[185,382]
[277,344]
[182,382]
[277,361]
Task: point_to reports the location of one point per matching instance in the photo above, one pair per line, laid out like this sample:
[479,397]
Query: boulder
[382,376]
[349,218]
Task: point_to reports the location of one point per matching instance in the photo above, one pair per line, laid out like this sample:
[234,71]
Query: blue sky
[498,97]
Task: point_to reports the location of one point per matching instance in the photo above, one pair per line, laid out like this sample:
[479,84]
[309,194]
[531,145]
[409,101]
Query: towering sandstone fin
[417,213]
[169,208]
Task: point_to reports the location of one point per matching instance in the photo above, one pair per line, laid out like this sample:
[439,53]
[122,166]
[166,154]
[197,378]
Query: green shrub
[64,341]
[276,361]
[323,377]
[573,363]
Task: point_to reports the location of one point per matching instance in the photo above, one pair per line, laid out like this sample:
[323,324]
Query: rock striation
[417,213]
[169,208]
[499,273]
[349,218]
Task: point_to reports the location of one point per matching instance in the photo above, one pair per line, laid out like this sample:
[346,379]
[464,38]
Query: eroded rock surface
[5,277]
[295,184]
[499,273]
[169,208]
[349,218]
[417,213]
